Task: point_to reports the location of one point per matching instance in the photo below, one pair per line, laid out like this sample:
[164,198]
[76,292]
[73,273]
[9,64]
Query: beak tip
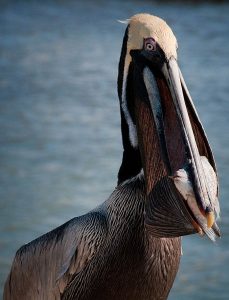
[210,219]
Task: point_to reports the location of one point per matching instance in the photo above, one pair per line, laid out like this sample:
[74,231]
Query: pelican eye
[149,44]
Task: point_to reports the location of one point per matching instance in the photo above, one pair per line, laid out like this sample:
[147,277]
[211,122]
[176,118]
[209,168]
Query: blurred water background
[60,125]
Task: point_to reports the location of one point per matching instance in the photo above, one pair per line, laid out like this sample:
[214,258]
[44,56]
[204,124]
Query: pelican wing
[43,268]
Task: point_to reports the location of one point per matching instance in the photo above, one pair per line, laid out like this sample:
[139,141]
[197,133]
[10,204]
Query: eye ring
[149,44]
[149,47]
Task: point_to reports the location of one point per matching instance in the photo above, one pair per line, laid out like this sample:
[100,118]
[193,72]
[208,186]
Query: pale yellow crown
[144,26]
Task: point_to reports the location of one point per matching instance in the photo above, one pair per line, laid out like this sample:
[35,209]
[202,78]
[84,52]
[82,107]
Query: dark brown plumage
[129,247]
[106,254]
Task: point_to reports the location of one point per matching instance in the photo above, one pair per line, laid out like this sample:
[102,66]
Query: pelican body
[129,247]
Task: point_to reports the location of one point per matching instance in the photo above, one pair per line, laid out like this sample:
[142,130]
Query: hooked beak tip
[210,219]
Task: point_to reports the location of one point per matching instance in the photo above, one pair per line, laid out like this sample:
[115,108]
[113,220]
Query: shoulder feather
[43,268]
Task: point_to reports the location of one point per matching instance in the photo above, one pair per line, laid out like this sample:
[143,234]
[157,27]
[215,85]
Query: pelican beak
[171,138]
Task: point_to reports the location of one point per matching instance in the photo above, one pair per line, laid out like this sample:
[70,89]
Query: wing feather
[43,268]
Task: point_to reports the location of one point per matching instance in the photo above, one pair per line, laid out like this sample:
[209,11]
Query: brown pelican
[129,247]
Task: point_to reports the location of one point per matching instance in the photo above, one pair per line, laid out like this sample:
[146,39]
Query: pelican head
[161,130]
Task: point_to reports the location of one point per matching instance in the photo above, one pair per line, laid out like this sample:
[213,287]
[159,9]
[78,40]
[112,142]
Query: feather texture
[105,254]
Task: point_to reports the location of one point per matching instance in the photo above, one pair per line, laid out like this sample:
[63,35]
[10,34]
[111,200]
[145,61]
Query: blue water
[60,126]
